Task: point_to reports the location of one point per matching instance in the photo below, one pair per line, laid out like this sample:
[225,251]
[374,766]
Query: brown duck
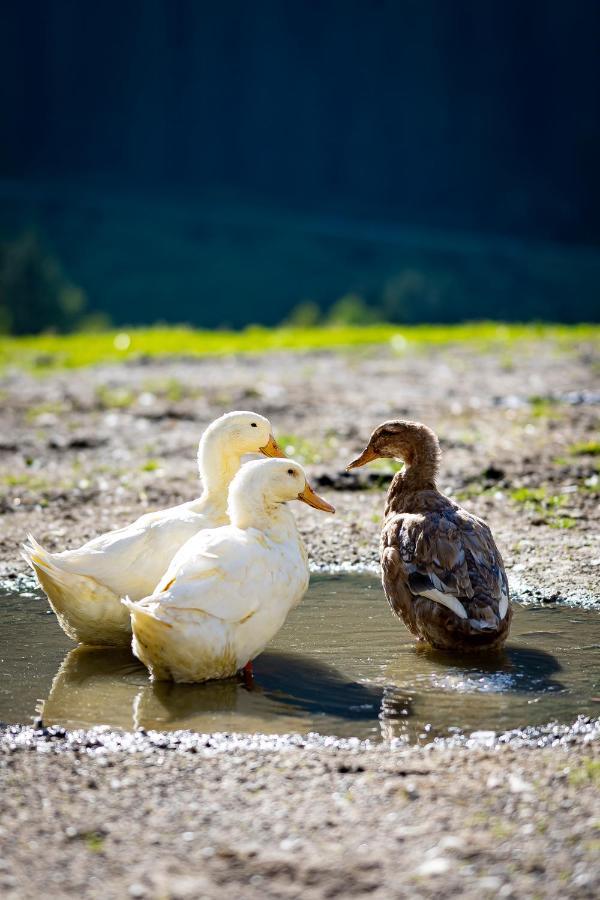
[442,572]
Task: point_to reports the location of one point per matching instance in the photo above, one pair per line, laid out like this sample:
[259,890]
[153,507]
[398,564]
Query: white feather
[228,590]
[446,600]
[85,586]
[503,606]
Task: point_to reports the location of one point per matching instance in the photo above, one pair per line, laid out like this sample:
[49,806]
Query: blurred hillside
[221,164]
[214,262]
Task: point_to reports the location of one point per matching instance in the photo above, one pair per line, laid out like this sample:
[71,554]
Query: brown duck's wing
[448,557]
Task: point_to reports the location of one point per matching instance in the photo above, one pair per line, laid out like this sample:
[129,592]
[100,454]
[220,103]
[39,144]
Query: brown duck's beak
[313,499]
[366,456]
[272,448]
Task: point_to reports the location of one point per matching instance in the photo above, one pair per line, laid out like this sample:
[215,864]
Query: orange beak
[313,499]
[272,448]
[366,456]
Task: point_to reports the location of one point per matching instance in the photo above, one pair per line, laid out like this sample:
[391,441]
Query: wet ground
[341,666]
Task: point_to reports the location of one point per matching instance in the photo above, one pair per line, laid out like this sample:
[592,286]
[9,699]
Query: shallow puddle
[342,665]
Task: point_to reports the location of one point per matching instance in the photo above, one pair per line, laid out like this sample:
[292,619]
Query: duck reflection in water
[441,691]
[94,686]
[289,692]
[292,692]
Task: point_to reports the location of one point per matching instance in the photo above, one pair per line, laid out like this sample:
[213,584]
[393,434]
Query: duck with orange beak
[442,572]
[85,585]
[229,590]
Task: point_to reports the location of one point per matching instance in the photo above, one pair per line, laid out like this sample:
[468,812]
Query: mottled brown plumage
[442,572]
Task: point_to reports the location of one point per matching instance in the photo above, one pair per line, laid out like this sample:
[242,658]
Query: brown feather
[432,546]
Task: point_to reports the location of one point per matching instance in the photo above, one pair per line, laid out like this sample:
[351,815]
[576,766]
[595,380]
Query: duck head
[261,487]
[224,443]
[414,443]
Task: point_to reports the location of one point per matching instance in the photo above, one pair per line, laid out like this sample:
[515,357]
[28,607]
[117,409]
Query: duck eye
[253,425]
[291,472]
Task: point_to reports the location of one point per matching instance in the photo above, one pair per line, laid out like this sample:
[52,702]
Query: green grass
[585,448]
[562,522]
[43,352]
[25,480]
[529,496]
[55,409]
[119,398]
[587,774]
[385,466]
[545,505]
[299,448]
[544,408]
[94,841]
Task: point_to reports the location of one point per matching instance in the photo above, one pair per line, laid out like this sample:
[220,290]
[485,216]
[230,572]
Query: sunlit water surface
[342,665]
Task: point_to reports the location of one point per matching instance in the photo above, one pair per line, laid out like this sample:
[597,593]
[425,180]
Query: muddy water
[342,665]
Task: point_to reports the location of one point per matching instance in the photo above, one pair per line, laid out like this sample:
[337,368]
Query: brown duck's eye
[291,472]
[253,425]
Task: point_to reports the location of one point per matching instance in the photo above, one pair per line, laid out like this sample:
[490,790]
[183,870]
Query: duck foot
[248,673]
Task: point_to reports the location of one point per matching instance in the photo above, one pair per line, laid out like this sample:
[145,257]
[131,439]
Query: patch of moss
[94,841]
[501,828]
[587,773]
[475,489]
[529,495]
[34,412]
[386,466]
[114,398]
[545,505]
[171,389]
[562,522]
[545,408]
[26,480]
[299,448]
[585,448]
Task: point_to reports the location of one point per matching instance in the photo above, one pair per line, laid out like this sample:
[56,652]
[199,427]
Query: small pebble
[439,865]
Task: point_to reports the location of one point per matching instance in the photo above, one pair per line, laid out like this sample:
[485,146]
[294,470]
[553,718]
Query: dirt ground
[84,451]
[191,817]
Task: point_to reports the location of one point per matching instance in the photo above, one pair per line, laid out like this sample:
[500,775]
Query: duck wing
[221,573]
[131,560]
[449,557]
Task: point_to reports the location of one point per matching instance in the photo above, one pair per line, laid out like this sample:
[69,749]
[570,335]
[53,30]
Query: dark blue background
[377,138]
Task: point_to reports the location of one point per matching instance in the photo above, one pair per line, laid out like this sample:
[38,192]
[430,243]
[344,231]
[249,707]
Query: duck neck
[217,465]
[274,519]
[421,453]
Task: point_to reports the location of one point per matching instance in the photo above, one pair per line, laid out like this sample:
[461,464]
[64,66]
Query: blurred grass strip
[51,351]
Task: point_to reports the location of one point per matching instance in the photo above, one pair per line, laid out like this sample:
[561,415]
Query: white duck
[228,590]
[85,586]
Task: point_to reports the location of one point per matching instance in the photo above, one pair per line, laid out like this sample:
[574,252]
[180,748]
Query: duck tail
[140,612]
[35,555]
[46,565]
[87,611]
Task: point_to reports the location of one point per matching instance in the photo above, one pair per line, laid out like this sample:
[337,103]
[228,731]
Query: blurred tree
[305,315]
[35,294]
[352,310]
